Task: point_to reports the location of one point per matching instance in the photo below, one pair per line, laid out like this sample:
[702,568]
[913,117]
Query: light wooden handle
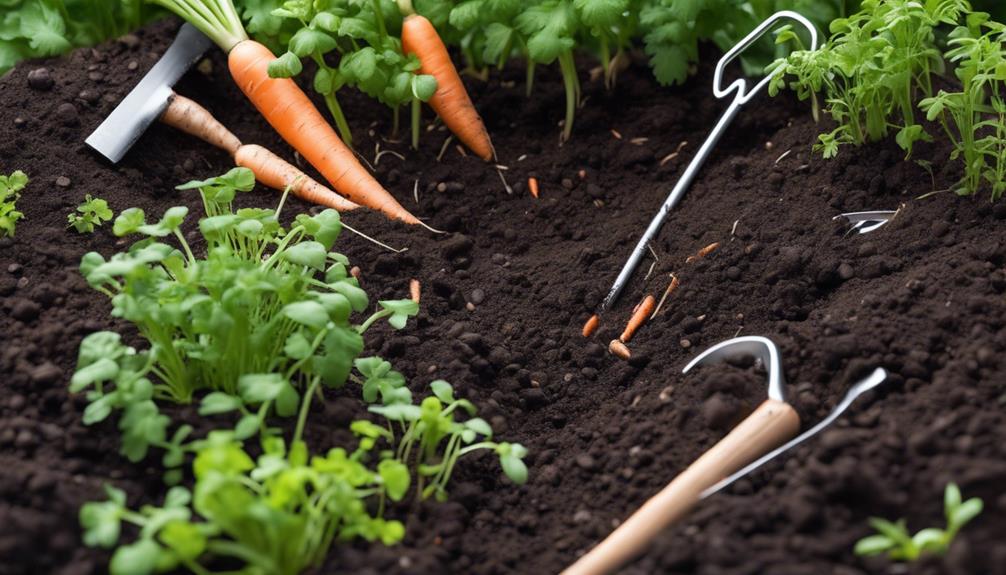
[767,427]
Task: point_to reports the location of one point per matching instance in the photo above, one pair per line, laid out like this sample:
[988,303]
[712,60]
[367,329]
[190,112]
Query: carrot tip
[532,184]
[619,349]
[591,326]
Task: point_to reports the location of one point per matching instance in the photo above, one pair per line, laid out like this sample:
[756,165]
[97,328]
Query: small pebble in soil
[586,462]
[685,344]
[67,114]
[40,79]
[63,182]
[477,296]
[665,394]
[470,306]
[89,96]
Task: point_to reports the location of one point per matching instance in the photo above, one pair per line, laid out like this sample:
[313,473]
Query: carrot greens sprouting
[10,192]
[89,215]
[894,539]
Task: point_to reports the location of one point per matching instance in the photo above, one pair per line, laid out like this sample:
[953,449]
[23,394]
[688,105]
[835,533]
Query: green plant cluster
[252,333]
[879,71]
[358,36]
[895,540]
[10,192]
[89,215]
[491,32]
[37,28]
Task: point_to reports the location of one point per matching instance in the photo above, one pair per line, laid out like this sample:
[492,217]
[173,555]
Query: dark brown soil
[923,298]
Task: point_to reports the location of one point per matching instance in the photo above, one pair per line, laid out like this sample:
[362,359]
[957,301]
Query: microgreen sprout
[10,192]
[895,540]
[89,215]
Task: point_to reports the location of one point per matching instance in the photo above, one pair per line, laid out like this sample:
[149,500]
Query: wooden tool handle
[767,427]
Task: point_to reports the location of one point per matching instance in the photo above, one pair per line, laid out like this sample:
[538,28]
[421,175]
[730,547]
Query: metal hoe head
[742,95]
[762,348]
[148,100]
[866,222]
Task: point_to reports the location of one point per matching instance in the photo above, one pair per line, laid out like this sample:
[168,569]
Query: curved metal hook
[760,347]
[739,85]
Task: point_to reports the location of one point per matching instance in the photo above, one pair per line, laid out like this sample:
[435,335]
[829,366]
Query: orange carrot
[619,349]
[285,106]
[591,326]
[292,114]
[639,317]
[450,101]
[703,252]
[414,290]
[277,173]
[195,120]
[532,184]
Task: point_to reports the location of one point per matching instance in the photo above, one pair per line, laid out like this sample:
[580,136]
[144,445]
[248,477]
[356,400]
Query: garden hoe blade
[866,222]
[741,96]
[878,376]
[770,425]
[145,103]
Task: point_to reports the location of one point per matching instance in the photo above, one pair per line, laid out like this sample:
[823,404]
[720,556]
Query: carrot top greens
[10,192]
[216,18]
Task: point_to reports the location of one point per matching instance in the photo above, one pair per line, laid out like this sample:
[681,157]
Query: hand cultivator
[742,95]
[762,436]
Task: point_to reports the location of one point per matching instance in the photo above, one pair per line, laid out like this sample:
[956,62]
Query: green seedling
[89,215]
[895,540]
[10,192]
[873,70]
[277,514]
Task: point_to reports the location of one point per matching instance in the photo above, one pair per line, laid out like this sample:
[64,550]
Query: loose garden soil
[505,294]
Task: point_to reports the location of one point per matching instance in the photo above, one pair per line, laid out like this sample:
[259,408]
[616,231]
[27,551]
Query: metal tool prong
[866,222]
[878,376]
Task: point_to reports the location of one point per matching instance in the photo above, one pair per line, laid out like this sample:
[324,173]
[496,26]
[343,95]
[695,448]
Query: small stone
[586,462]
[63,182]
[130,40]
[441,187]
[132,65]
[67,114]
[46,374]
[581,516]
[20,122]
[470,306]
[13,268]
[477,296]
[685,344]
[733,273]
[846,272]
[25,310]
[89,96]
[665,394]
[40,79]
[25,439]
[95,76]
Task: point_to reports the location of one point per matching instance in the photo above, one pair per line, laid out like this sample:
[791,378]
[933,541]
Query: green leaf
[246,427]
[102,522]
[873,545]
[309,313]
[44,28]
[310,254]
[401,310]
[423,87]
[258,388]
[309,41]
[128,222]
[443,391]
[966,512]
[140,558]
[931,540]
[297,346]
[286,66]
[184,538]
[359,66]
[219,402]
[395,476]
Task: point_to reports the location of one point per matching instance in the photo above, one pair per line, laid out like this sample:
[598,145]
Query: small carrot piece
[703,252]
[278,174]
[591,326]
[414,290]
[450,101]
[195,120]
[639,317]
[619,349]
[291,113]
[532,184]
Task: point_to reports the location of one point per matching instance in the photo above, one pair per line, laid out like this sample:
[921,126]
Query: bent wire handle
[740,84]
[873,380]
[740,98]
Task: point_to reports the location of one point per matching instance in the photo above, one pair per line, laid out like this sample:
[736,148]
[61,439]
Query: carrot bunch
[286,107]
